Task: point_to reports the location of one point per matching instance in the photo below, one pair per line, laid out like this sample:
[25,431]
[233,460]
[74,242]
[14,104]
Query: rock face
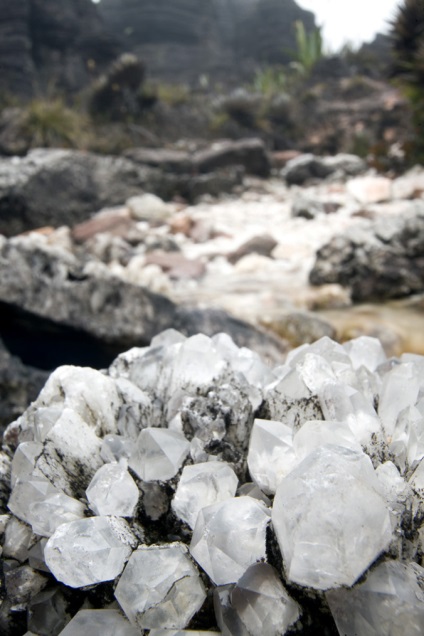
[376,260]
[51,43]
[180,40]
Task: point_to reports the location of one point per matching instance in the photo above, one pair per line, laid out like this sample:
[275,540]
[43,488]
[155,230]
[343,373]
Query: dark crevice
[45,344]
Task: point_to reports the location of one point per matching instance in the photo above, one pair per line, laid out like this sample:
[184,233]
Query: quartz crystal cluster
[192,489]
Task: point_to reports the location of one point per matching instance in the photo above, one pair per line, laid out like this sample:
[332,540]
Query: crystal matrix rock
[229,537]
[330,518]
[160,587]
[89,551]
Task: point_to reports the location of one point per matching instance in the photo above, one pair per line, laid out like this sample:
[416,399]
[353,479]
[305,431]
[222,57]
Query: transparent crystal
[271,456]
[390,602]
[365,352]
[24,460]
[36,556]
[160,587]
[107,622]
[216,543]
[318,433]
[202,485]
[113,491]
[136,410]
[400,390]
[48,612]
[330,518]
[89,551]
[258,604]
[116,447]
[18,538]
[159,454]
[54,510]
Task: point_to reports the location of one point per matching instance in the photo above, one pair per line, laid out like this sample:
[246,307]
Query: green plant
[51,123]
[271,80]
[309,47]
[408,64]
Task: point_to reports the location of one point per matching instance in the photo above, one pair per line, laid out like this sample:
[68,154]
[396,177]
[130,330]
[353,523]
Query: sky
[343,21]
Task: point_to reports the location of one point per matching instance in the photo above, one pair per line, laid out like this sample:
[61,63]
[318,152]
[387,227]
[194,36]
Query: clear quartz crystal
[257,604]
[229,537]
[107,622]
[113,491]
[390,602]
[271,456]
[159,454]
[330,518]
[202,485]
[160,587]
[89,551]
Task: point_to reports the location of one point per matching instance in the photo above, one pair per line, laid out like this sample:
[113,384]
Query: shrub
[51,123]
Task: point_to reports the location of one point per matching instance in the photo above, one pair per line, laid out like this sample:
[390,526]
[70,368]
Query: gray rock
[249,153]
[263,245]
[381,259]
[311,208]
[99,316]
[176,161]
[308,166]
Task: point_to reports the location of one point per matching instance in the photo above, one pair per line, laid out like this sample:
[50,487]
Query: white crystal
[89,551]
[18,538]
[258,604]
[28,491]
[202,485]
[113,491]
[318,433]
[400,390]
[271,456]
[136,410]
[107,622]
[365,351]
[47,515]
[116,447]
[330,519]
[159,454]
[390,602]
[229,537]
[24,460]
[160,587]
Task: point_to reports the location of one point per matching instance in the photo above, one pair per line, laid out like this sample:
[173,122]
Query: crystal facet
[160,587]
[89,551]
[113,491]
[107,622]
[159,454]
[216,544]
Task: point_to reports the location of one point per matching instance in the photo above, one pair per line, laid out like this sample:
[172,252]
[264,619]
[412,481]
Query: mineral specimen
[307,477]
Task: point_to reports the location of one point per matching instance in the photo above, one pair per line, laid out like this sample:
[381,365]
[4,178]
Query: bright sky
[354,22]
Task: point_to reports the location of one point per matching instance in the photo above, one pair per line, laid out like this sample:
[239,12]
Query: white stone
[107,622]
[258,604]
[271,456]
[113,491]
[160,587]
[229,537]
[370,189]
[89,551]
[330,518]
[159,454]
[148,207]
[202,485]
[390,602]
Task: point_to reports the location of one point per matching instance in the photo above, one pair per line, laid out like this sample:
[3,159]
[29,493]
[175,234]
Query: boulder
[64,311]
[63,187]
[249,153]
[377,259]
[308,166]
[176,161]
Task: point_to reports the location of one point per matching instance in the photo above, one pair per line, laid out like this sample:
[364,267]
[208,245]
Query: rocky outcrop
[64,187]
[376,260]
[95,311]
[181,40]
[55,44]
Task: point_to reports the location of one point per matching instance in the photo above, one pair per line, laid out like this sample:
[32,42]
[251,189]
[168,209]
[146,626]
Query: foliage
[271,80]
[309,47]
[173,94]
[408,64]
[49,122]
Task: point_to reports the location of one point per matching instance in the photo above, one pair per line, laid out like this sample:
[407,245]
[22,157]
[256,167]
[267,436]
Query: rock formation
[181,40]
[51,44]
